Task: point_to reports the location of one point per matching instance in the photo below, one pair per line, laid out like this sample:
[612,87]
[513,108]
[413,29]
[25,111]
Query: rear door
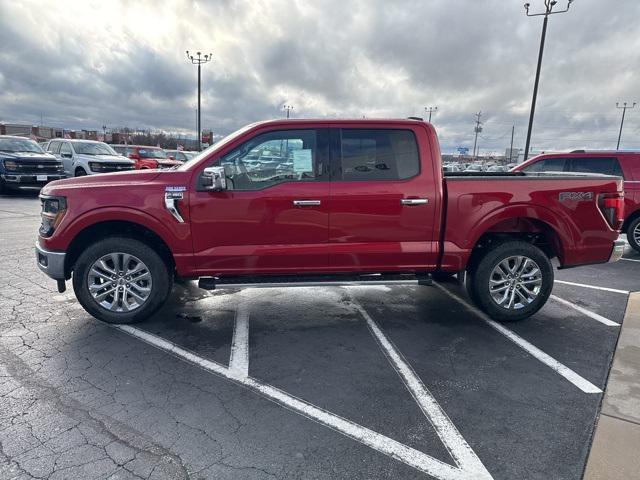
[382,205]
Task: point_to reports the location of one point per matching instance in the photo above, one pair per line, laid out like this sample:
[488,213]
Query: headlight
[53,210]
[96,166]
[10,165]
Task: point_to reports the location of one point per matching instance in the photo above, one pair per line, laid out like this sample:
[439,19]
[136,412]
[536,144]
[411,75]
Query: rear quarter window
[601,165]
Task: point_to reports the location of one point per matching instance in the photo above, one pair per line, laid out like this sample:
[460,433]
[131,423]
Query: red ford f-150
[308,202]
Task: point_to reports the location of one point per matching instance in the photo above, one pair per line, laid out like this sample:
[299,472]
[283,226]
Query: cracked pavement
[80,399]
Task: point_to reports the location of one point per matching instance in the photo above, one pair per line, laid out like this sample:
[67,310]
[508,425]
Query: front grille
[34,168]
[114,167]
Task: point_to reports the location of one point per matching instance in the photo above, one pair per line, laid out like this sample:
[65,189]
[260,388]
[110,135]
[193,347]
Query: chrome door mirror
[214,179]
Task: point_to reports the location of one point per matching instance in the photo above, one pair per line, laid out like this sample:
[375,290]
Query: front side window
[378,154]
[547,165]
[273,158]
[54,147]
[65,149]
[605,166]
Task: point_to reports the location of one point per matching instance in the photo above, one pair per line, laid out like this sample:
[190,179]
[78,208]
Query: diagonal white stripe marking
[458,448]
[580,382]
[374,440]
[594,287]
[630,260]
[588,313]
[239,360]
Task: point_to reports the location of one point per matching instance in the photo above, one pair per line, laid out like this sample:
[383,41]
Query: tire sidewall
[634,225]
[161,279]
[484,268]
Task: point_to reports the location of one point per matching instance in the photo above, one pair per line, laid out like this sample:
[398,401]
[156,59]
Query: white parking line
[630,260]
[383,444]
[456,445]
[580,382]
[239,359]
[605,289]
[588,313]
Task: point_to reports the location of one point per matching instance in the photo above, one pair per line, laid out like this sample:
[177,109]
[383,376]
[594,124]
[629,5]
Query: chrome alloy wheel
[636,234]
[515,282]
[119,282]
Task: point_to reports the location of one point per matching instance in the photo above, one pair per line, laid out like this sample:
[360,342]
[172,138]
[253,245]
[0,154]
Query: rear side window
[378,154]
[547,165]
[602,165]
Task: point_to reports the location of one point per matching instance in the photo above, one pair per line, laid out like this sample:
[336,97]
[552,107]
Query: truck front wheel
[121,280]
[511,281]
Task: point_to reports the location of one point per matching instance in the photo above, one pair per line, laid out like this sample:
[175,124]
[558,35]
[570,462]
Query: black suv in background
[23,164]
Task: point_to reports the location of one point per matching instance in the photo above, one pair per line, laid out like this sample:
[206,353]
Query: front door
[273,217]
[382,201]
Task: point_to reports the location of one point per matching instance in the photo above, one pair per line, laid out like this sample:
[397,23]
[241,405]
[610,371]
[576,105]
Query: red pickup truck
[308,202]
[621,164]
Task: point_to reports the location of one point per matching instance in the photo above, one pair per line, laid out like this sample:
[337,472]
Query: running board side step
[213,283]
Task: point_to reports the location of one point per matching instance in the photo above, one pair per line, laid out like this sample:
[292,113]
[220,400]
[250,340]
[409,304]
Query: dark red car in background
[146,157]
[620,164]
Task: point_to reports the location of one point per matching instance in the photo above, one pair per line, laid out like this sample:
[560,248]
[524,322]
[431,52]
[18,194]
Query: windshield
[216,146]
[91,148]
[152,153]
[19,145]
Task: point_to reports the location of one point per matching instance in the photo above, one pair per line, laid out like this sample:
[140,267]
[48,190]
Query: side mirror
[214,179]
[66,155]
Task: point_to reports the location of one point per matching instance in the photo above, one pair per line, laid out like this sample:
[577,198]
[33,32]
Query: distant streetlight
[104,133]
[430,110]
[549,4]
[288,109]
[624,110]
[198,60]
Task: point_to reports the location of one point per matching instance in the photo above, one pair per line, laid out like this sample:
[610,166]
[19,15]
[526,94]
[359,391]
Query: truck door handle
[306,203]
[414,201]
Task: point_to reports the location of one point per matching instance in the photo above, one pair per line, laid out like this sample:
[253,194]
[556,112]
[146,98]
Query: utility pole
[287,108]
[477,129]
[199,60]
[513,129]
[549,4]
[430,110]
[624,110]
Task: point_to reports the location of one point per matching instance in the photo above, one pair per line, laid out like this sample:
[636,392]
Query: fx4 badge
[576,196]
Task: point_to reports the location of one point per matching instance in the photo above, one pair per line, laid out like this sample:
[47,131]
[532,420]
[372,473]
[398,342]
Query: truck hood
[104,158]
[31,156]
[130,178]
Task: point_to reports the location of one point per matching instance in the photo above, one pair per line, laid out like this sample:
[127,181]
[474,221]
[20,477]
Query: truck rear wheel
[633,234]
[511,281]
[121,280]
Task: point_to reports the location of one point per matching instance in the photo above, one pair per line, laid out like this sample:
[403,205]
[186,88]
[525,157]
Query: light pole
[430,110]
[104,133]
[624,110]
[288,109]
[477,129]
[549,4]
[198,60]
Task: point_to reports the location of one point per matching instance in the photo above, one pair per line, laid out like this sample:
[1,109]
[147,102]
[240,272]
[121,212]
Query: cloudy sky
[82,64]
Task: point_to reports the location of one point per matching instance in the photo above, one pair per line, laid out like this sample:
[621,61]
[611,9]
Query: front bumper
[51,263]
[618,250]
[30,179]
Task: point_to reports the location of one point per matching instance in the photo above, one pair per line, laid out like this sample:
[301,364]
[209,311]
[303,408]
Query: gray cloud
[122,63]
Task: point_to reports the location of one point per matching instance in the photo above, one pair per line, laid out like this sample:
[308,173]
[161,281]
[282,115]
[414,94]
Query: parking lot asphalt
[359,383]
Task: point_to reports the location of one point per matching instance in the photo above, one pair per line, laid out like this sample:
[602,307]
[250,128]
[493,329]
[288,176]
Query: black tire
[633,234]
[478,280]
[3,187]
[80,172]
[161,276]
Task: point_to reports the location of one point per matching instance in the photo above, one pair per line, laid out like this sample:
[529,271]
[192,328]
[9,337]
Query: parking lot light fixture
[287,108]
[198,59]
[430,110]
[549,5]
